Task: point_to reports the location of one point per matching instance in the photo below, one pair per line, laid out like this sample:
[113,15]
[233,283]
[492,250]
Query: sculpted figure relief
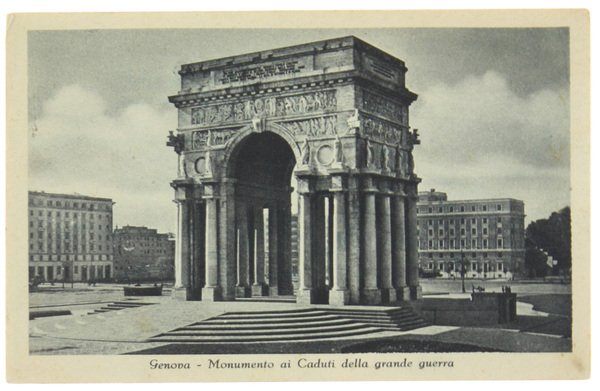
[381,130]
[305,153]
[369,153]
[264,107]
[385,158]
[321,126]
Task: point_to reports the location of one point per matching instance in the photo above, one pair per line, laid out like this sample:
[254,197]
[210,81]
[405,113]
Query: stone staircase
[294,325]
[118,305]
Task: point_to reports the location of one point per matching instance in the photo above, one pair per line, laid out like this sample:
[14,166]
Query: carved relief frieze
[381,131]
[380,105]
[312,102]
[214,137]
[313,127]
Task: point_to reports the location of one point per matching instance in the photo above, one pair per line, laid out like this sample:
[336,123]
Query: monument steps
[265,338]
[262,326]
[117,306]
[286,325]
[299,329]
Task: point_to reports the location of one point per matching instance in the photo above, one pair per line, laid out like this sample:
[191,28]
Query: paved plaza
[127,331]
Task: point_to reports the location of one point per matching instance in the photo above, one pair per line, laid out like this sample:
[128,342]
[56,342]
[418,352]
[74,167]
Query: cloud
[78,147]
[480,139]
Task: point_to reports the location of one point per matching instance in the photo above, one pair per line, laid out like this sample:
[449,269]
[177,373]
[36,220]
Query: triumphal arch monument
[333,115]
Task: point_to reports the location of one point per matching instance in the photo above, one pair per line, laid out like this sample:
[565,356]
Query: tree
[553,236]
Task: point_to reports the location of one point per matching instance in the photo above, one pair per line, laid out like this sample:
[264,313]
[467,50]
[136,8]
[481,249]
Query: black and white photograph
[215,200]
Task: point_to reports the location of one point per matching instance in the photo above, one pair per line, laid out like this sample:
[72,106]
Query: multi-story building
[70,237]
[143,254]
[486,237]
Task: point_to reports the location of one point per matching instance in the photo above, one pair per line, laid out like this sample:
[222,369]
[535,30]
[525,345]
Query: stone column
[242,288]
[339,295]
[273,251]
[370,293]
[182,252]
[354,246]
[258,288]
[285,284]
[399,249]
[319,254]
[388,293]
[412,260]
[211,292]
[305,285]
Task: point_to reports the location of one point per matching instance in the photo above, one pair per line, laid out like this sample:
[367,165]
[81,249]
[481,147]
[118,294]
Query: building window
[462,221]
[451,231]
[498,207]
[462,243]
[462,231]
[473,231]
[484,208]
[430,222]
[440,209]
[485,220]
[430,232]
[451,209]
[430,210]
[452,243]
[473,208]
[485,244]
[462,208]
[474,266]
[441,232]
[430,244]
[500,267]
[485,231]
[441,244]
[499,231]
[473,221]
[499,243]
[473,243]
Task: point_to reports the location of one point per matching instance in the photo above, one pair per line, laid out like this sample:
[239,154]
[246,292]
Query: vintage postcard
[295,196]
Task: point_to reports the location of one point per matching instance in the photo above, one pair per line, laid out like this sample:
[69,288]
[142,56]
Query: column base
[339,297]
[243,291]
[370,296]
[311,296]
[403,293]
[179,294]
[388,295]
[354,296]
[416,292]
[272,291]
[228,293]
[211,293]
[260,290]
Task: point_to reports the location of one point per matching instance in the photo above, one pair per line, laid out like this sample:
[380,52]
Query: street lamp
[463,270]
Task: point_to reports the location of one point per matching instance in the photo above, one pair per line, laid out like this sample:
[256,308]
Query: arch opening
[261,165]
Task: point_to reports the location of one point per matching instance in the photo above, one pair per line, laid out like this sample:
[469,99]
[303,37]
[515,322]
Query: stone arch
[234,146]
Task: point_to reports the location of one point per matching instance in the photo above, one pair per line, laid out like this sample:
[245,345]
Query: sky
[492,112]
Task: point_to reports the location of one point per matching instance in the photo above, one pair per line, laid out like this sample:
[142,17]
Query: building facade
[143,254]
[70,237]
[334,114]
[486,236]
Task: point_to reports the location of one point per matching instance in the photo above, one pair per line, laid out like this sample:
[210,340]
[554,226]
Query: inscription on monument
[261,72]
[265,107]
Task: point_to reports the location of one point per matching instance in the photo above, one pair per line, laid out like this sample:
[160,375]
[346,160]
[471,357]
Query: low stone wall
[482,309]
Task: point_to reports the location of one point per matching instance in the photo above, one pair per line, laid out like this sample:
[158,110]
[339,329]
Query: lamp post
[462,270]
